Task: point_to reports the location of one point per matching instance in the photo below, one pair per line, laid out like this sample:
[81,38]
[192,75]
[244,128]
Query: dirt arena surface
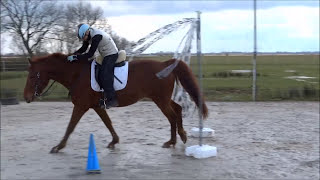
[262,140]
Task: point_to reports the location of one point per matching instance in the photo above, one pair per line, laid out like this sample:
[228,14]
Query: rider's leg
[107,75]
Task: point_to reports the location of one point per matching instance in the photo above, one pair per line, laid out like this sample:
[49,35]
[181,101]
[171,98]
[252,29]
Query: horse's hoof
[111,146]
[168,144]
[54,150]
[184,138]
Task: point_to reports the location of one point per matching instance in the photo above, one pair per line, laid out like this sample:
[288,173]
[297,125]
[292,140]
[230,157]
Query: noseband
[36,94]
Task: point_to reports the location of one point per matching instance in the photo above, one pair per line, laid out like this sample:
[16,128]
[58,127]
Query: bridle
[38,80]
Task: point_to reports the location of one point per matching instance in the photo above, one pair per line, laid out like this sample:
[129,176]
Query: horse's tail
[189,83]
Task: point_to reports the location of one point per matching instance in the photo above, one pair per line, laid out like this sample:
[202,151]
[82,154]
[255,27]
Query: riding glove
[72,58]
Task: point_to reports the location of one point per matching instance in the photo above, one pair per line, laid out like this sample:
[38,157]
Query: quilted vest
[106,46]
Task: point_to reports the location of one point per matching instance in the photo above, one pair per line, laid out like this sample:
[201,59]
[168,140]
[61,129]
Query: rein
[38,82]
[36,94]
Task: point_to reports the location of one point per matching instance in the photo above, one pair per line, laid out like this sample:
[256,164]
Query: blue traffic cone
[92,163]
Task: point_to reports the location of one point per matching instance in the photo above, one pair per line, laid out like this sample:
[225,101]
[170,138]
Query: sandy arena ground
[263,140]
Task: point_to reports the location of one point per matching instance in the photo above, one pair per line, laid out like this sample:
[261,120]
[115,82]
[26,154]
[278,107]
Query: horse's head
[37,80]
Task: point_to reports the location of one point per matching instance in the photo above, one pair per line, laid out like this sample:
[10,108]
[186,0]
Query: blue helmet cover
[82,30]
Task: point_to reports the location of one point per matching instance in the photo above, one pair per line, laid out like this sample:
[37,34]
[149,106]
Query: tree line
[41,26]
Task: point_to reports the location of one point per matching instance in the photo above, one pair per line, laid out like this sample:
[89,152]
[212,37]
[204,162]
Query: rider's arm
[83,48]
[94,45]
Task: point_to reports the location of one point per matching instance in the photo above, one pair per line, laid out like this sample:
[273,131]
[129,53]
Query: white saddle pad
[120,72]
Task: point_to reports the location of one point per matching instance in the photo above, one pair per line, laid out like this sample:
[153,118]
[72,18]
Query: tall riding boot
[107,77]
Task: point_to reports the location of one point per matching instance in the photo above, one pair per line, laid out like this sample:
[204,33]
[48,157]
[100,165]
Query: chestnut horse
[142,82]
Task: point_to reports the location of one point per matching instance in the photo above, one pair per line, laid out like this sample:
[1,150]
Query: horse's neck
[67,73]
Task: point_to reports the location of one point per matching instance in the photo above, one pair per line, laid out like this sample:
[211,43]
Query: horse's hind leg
[77,113]
[106,120]
[178,110]
[169,112]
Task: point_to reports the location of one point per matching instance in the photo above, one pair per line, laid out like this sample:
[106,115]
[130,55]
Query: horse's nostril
[27,100]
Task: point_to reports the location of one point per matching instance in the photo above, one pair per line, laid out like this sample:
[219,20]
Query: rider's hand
[72,58]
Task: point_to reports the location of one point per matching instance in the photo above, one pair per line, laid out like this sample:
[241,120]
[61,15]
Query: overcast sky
[291,25]
[120,8]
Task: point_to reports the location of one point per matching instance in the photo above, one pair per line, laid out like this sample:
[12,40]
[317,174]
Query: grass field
[279,77]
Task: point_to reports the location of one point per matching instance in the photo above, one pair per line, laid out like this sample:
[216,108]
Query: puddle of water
[301,80]
[290,71]
[300,77]
[241,71]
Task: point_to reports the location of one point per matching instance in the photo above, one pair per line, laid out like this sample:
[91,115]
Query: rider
[108,50]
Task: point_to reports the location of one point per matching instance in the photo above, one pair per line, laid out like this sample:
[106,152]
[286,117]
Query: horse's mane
[56,56]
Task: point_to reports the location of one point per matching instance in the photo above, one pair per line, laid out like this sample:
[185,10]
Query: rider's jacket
[99,40]
[106,46]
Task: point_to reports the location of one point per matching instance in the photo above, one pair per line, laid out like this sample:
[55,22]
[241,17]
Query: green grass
[57,92]
[13,75]
[271,81]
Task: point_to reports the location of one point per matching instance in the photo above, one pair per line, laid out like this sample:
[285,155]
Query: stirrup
[102,103]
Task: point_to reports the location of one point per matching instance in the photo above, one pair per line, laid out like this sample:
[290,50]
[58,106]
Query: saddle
[120,66]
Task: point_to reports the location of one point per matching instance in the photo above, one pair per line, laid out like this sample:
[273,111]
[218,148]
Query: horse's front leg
[106,120]
[76,116]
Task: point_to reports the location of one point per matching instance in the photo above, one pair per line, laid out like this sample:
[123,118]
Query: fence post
[254,63]
[200,76]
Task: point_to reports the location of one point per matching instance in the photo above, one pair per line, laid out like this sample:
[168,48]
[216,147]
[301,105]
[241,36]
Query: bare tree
[79,13]
[2,16]
[16,46]
[31,20]
[45,26]
[74,15]
[120,42]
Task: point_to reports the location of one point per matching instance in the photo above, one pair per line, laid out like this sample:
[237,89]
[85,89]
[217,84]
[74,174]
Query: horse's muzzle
[29,99]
